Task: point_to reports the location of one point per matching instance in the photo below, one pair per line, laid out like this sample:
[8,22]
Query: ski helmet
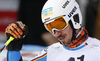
[56,8]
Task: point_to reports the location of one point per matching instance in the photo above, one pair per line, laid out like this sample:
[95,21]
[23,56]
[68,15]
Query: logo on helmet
[66,3]
[46,12]
[72,12]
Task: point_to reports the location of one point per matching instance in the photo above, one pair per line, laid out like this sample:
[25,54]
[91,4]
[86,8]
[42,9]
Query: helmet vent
[76,18]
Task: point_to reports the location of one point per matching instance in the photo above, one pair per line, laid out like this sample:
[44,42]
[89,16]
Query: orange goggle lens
[59,24]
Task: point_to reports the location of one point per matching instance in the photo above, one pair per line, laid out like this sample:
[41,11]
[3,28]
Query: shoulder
[93,44]
[92,41]
[55,45]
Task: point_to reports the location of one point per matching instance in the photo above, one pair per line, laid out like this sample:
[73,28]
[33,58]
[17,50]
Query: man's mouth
[61,38]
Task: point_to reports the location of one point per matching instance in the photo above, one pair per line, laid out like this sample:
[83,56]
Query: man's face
[64,36]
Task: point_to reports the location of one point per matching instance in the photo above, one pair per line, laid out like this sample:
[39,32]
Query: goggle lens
[59,24]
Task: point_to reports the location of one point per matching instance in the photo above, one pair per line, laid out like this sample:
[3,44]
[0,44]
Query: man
[63,19]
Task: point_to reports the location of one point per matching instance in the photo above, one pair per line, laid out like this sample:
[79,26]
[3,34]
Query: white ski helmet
[56,8]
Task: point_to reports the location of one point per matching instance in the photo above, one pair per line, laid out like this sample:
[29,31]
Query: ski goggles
[59,24]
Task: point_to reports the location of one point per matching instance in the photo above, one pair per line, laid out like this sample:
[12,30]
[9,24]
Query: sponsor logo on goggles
[59,24]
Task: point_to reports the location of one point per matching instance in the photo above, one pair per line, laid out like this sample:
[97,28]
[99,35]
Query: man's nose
[57,33]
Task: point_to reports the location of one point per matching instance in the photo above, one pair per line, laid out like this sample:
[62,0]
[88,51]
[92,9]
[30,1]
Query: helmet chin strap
[74,31]
[79,38]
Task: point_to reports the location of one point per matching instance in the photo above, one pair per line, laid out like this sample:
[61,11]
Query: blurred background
[29,12]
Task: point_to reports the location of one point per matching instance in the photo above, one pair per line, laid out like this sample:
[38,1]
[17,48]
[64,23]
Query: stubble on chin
[65,43]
